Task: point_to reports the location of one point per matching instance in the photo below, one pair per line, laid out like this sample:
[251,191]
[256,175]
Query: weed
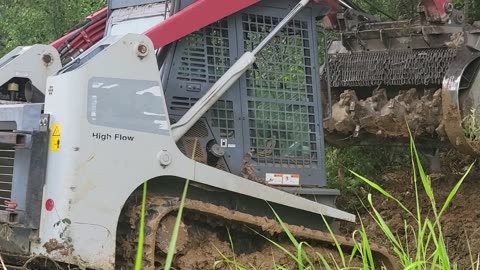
[471,125]
[366,161]
[138,259]
[427,250]
[421,246]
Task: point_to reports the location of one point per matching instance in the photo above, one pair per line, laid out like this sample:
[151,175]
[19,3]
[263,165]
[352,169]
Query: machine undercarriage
[215,227]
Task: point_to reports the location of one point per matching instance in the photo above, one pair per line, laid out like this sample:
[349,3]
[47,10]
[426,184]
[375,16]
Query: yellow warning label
[55,137]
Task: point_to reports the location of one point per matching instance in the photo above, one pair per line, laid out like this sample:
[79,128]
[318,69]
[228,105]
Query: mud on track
[205,236]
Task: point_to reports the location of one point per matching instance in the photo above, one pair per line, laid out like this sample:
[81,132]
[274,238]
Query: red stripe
[193,17]
[435,8]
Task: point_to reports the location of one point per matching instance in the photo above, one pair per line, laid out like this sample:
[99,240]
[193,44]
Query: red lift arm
[193,17]
[435,10]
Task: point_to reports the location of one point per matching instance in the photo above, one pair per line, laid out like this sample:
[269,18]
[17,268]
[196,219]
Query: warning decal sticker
[282,179]
[55,135]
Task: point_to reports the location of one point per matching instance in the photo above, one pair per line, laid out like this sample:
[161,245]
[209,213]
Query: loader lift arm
[192,18]
[186,21]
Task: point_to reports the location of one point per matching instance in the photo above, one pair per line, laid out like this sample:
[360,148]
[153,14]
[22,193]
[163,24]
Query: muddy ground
[460,222]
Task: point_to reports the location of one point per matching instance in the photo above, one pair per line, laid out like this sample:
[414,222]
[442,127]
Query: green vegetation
[141,235]
[406,9]
[471,125]
[26,22]
[429,249]
[367,161]
[420,246]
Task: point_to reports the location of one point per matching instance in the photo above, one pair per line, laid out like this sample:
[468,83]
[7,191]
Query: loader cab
[268,126]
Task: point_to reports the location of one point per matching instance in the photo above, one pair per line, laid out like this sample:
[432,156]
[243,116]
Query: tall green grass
[429,250]
[141,235]
[421,245]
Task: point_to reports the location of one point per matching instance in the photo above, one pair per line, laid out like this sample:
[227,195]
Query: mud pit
[460,221]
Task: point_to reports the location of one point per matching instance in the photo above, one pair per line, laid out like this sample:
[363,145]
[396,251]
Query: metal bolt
[164,158]
[217,150]
[142,50]
[448,7]
[47,59]
[459,18]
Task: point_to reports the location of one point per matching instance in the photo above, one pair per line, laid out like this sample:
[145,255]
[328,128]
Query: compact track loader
[227,94]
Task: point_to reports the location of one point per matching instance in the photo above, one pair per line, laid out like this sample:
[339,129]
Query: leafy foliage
[471,125]
[406,9]
[367,161]
[26,22]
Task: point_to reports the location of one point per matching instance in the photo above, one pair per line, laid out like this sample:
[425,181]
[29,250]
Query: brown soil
[208,248]
[201,246]
[460,222]
[204,239]
[209,245]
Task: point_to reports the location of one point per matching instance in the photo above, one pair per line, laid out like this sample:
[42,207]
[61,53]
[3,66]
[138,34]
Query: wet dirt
[460,222]
[53,245]
[216,247]
[387,117]
[227,235]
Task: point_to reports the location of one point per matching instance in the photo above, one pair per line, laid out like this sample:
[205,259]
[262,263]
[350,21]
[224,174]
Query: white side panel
[105,153]
[28,62]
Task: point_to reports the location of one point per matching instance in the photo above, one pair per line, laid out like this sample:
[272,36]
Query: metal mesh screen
[192,66]
[7,156]
[281,104]
[222,118]
[188,146]
[218,52]
[273,109]
[206,55]
[199,130]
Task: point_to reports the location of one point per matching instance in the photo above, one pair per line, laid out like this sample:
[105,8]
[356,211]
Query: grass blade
[138,260]
[382,191]
[173,240]
[454,190]
[285,228]
[284,250]
[337,244]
